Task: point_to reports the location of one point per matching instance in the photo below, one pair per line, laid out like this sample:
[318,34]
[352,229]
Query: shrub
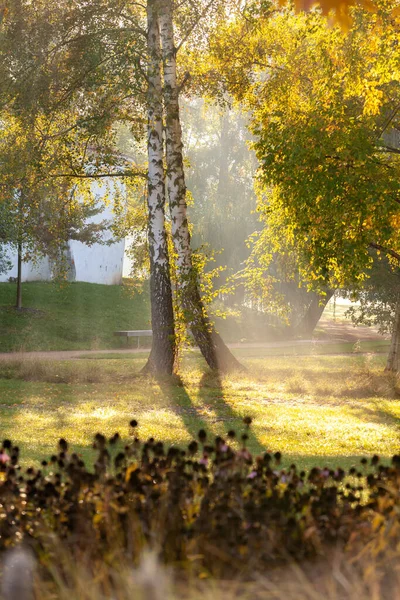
[209,508]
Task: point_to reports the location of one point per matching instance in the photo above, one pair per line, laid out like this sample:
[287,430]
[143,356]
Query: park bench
[138,333]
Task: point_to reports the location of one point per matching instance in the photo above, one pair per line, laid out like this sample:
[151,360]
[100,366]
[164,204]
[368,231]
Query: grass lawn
[317,409]
[73,317]
[83,316]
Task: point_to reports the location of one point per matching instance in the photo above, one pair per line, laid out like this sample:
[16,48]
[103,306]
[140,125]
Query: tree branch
[100,175]
[388,251]
[389,150]
[185,80]
[193,26]
[389,120]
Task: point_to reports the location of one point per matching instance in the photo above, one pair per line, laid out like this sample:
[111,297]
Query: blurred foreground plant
[212,510]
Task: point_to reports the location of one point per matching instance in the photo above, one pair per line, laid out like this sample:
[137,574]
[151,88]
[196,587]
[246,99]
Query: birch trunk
[162,355]
[216,353]
[393,361]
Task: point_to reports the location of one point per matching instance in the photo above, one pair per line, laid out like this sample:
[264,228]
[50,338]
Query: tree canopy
[322,104]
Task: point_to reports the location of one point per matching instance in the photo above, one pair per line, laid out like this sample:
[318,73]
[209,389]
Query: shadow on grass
[210,394]
[182,405]
[377,415]
[211,390]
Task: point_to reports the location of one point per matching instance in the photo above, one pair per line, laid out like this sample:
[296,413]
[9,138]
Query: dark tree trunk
[162,356]
[313,314]
[393,360]
[19,278]
[211,345]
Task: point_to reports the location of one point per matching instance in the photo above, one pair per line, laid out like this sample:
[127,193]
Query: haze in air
[199,299]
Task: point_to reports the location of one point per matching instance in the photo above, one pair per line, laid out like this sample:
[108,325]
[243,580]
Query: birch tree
[112,74]
[162,354]
[216,353]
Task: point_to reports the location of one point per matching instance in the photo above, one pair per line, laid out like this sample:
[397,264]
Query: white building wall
[93,264]
[39,271]
[98,263]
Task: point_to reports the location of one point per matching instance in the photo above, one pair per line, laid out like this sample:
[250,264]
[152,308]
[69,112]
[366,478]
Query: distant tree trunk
[19,277]
[70,263]
[313,314]
[223,168]
[162,355]
[216,353]
[393,361]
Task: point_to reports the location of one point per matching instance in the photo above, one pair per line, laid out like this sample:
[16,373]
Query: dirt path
[343,331]
[333,332]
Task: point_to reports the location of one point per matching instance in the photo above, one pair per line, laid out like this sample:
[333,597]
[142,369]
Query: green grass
[316,410]
[83,316]
[72,317]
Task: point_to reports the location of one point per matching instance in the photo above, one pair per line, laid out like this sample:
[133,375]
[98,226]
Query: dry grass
[333,579]
[69,371]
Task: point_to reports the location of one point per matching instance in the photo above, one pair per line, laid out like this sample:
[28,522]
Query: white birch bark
[162,356]
[217,355]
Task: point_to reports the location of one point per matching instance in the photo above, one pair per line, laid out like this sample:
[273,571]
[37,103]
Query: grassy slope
[83,316]
[318,409]
[76,316]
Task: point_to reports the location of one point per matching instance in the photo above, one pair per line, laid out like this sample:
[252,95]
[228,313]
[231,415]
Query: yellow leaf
[131,469]
[377,521]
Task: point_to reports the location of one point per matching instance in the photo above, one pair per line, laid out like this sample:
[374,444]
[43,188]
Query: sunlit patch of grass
[170,426]
[323,431]
[317,408]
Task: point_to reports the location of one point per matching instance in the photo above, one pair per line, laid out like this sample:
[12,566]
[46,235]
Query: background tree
[272,279]
[40,225]
[54,140]
[225,218]
[378,298]
[337,198]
